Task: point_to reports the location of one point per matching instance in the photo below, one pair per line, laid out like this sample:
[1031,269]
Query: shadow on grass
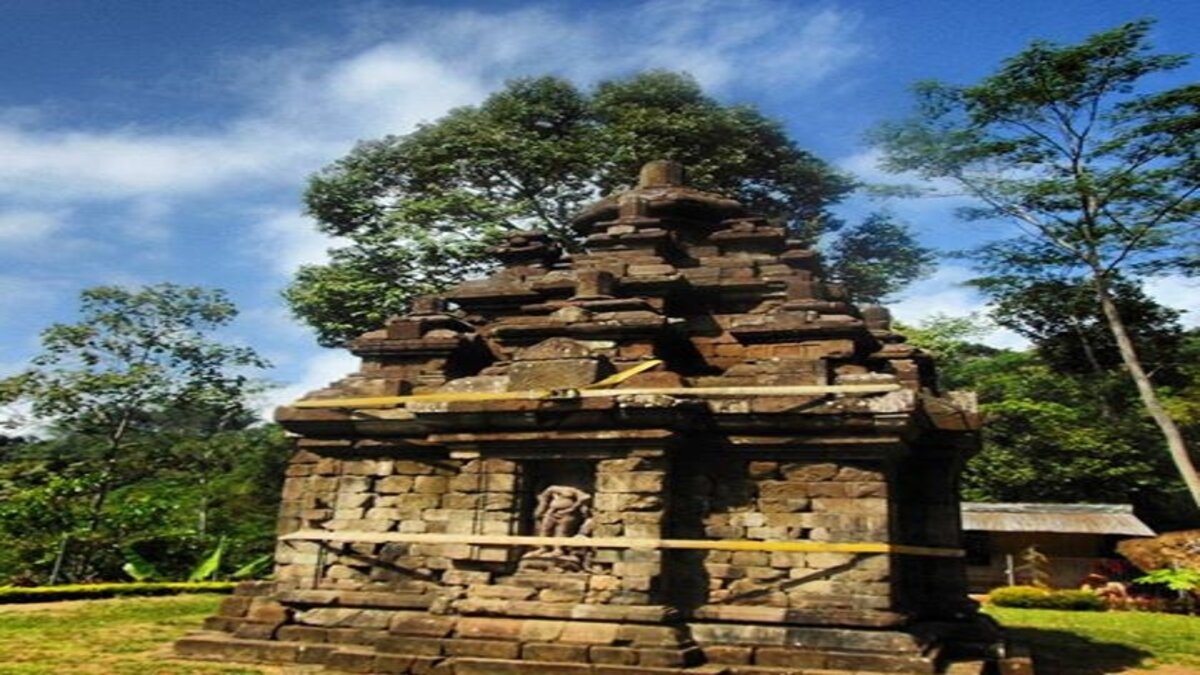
[1057,652]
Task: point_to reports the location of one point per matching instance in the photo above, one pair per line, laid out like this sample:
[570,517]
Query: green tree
[877,257]
[1062,319]
[420,210]
[1047,436]
[1100,175]
[109,380]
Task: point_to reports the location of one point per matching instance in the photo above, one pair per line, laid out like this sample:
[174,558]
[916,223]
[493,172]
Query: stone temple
[678,451]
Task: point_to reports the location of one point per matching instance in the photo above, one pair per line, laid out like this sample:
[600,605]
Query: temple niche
[679,450]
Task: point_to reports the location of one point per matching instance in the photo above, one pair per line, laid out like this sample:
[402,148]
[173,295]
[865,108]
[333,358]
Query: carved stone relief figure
[562,511]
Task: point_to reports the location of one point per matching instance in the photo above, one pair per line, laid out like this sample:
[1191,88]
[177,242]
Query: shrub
[14,594]
[1031,597]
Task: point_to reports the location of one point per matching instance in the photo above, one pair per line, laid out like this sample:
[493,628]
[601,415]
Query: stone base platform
[488,657]
[258,625]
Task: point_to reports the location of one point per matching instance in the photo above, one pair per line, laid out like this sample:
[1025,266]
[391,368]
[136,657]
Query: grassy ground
[132,636]
[1087,643]
[122,636]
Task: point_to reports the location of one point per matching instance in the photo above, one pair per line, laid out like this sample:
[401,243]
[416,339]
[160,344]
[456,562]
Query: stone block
[553,374]
[668,658]
[351,661]
[336,617]
[648,636]
[636,569]
[296,633]
[501,592]
[866,489]
[809,472]
[417,646]
[456,501]
[353,484]
[729,654]
[864,506]
[759,470]
[879,663]
[255,631]
[827,489]
[535,630]
[632,481]
[781,490]
[626,464]
[622,501]
[411,468]
[591,633]
[559,580]
[859,474]
[603,582]
[393,664]
[466,577]
[497,501]
[394,484]
[638,531]
[262,610]
[491,649]
[412,527]
[422,625]
[222,624]
[492,628]
[416,503]
[762,573]
[751,558]
[543,651]
[784,657]
[430,485]
[229,648]
[482,482]
[234,606]
[559,595]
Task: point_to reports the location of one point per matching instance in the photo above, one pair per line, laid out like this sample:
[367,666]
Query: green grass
[123,636]
[1102,642]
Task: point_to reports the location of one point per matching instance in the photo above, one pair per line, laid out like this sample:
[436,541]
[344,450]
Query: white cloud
[1177,292]
[287,240]
[20,228]
[308,103]
[945,293]
[128,185]
[18,292]
[55,165]
[322,369]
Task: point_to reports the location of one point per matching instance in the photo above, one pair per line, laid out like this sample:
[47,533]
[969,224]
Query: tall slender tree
[1101,174]
[134,355]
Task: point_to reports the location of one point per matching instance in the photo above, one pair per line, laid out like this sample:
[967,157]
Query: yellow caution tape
[618,378]
[624,542]
[447,396]
[600,389]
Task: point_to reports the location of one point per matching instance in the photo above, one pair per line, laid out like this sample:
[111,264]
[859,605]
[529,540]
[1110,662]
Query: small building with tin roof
[1078,539]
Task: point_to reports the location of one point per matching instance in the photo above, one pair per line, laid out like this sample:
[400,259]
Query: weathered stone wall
[718,497]
[334,488]
[360,493]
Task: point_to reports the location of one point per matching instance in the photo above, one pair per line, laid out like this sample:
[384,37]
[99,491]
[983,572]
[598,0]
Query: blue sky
[161,140]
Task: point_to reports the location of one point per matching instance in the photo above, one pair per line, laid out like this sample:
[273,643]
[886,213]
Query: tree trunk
[1106,408]
[1175,443]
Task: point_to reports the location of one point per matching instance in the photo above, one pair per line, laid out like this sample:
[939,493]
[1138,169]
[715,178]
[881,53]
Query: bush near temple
[1032,597]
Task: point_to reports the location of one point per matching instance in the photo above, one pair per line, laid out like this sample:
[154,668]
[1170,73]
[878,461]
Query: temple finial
[661,173]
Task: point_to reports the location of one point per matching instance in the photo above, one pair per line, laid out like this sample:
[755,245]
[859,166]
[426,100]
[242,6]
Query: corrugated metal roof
[1074,518]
